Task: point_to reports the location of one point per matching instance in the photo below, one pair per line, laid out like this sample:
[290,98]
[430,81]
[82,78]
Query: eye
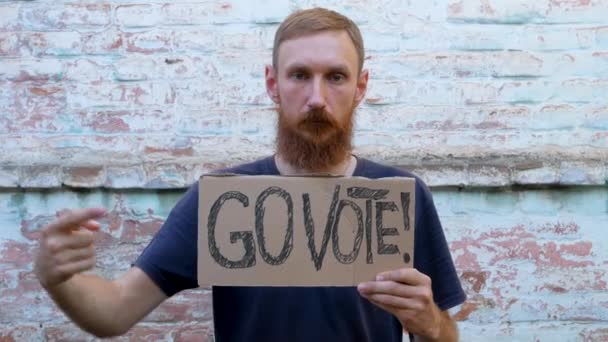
[298,75]
[337,77]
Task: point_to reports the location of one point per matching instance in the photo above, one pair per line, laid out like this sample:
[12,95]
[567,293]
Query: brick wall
[499,105]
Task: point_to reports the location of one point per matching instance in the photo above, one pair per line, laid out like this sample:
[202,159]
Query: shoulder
[256,167]
[372,169]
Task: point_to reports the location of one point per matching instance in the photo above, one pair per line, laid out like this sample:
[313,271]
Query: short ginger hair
[315,20]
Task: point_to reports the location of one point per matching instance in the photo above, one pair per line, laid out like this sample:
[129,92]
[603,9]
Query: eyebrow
[341,68]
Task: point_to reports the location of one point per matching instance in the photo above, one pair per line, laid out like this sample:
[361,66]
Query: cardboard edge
[199,224]
[413,218]
[304,175]
[354,268]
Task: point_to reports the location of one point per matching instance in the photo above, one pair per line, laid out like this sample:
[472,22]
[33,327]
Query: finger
[388,287]
[77,267]
[76,239]
[74,255]
[409,276]
[75,218]
[395,302]
[91,225]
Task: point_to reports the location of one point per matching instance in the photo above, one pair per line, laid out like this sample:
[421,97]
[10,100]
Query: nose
[316,99]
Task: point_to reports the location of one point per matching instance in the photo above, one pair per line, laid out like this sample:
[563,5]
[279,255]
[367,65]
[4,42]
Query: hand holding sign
[66,246]
[407,294]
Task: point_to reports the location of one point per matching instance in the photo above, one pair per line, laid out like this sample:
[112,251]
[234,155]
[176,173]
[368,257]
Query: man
[316,80]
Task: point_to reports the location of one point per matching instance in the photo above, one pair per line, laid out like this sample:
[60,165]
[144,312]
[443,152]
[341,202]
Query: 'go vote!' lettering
[373,198]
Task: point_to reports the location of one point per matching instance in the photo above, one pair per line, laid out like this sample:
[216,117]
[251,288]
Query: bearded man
[316,81]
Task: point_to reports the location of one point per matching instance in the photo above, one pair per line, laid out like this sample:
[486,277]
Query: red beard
[315,143]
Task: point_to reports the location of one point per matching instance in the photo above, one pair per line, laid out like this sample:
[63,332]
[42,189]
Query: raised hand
[67,246]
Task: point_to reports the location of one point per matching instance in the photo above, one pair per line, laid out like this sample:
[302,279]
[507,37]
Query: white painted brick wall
[495,82]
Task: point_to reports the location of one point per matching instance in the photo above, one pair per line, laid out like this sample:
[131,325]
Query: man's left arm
[407,294]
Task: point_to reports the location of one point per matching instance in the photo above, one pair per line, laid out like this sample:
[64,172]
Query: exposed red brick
[36,107]
[144,332]
[104,42]
[40,176]
[570,3]
[546,254]
[490,125]
[560,228]
[65,332]
[190,307]
[136,230]
[465,259]
[477,280]
[116,44]
[505,275]
[177,152]
[9,43]
[553,288]
[594,335]
[83,175]
[582,248]
[107,121]
[465,311]
[445,125]
[44,92]
[518,232]
[28,282]
[68,15]
[194,333]
[31,228]
[28,293]
[141,42]
[112,222]
[20,333]
[14,253]
[600,284]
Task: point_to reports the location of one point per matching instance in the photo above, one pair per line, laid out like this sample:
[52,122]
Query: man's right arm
[99,306]
[107,308]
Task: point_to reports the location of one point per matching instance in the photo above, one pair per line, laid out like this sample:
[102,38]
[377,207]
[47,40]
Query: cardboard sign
[303,231]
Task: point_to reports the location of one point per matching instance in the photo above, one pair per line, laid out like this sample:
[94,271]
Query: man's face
[317,87]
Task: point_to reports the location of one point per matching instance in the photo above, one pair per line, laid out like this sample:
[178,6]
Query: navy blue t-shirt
[298,313]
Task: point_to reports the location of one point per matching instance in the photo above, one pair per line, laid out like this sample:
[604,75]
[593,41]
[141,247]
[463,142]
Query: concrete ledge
[512,169]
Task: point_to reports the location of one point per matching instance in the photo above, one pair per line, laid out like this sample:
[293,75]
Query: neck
[345,168]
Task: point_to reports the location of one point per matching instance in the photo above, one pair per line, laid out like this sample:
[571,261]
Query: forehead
[323,49]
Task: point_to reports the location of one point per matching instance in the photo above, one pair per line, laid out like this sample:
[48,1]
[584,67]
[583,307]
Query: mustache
[318,116]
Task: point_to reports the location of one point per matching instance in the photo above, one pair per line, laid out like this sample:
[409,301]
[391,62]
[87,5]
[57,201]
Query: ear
[271,84]
[361,86]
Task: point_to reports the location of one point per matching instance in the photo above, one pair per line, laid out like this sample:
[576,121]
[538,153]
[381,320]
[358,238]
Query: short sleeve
[170,259]
[432,256]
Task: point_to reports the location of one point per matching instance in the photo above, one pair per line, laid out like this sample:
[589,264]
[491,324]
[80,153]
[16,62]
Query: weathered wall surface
[533,262]
[499,105]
